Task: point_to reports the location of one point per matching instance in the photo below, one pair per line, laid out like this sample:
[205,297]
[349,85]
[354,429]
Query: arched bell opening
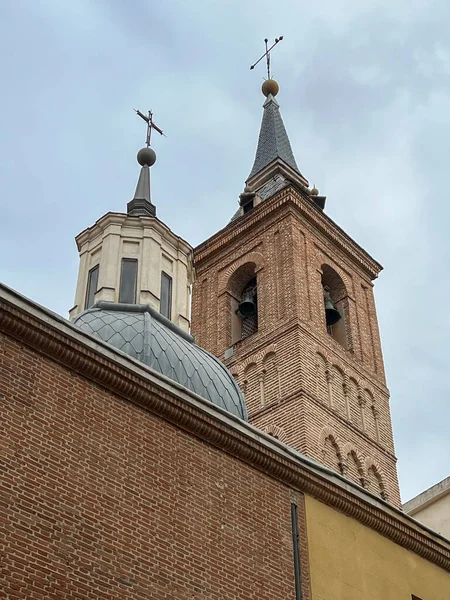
[243,289]
[335,300]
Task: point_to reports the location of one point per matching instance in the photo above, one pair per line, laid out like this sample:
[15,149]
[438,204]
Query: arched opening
[243,289]
[355,470]
[331,455]
[251,388]
[272,391]
[375,482]
[335,299]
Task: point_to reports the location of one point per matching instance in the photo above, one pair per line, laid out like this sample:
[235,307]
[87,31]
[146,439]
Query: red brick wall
[308,369]
[101,499]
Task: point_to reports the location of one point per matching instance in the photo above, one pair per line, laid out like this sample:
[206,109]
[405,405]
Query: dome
[141,332]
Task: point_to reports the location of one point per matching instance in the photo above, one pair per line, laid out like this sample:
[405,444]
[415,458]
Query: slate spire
[273,143]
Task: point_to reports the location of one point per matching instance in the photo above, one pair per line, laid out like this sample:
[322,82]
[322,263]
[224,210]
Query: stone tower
[134,258]
[259,304]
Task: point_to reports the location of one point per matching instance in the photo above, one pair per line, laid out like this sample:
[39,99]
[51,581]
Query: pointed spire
[141,205]
[273,142]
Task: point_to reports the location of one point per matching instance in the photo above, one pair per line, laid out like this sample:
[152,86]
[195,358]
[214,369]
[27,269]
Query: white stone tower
[134,258]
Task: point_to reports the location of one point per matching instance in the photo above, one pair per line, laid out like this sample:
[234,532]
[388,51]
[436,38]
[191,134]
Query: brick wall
[297,379]
[101,499]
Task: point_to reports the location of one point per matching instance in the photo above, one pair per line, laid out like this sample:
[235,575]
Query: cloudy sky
[365,96]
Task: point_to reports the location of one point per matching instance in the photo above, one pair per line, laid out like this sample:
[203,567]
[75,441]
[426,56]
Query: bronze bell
[332,314]
[247,306]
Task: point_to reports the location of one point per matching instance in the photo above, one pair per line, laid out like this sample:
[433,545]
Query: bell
[332,314]
[247,306]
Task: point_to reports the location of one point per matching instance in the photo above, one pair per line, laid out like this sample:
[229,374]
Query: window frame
[87,304]
[122,291]
[166,277]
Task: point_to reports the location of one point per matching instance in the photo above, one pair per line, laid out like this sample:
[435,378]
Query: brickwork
[101,499]
[297,378]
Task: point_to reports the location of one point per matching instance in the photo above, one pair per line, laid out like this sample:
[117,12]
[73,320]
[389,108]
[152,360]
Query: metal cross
[267,54]
[150,125]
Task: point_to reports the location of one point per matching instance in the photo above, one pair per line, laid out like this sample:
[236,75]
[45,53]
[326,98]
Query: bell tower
[285,298]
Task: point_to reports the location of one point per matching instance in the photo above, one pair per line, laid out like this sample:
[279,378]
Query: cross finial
[267,54]
[150,125]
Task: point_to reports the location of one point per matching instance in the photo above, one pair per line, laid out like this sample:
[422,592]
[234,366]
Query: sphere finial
[314,191]
[146,157]
[270,86]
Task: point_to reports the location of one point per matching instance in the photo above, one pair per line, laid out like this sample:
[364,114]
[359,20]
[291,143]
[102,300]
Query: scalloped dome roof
[141,332]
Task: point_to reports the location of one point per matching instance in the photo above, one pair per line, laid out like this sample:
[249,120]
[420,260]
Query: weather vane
[150,125]
[267,54]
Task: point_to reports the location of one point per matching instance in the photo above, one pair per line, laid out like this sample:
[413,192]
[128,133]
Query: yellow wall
[351,562]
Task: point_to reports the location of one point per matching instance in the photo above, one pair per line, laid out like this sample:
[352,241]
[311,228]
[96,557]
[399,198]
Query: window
[128,280]
[166,296]
[248,206]
[92,285]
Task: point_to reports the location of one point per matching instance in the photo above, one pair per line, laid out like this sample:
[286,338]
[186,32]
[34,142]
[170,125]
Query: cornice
[62,342]
[124,220]
[307,209]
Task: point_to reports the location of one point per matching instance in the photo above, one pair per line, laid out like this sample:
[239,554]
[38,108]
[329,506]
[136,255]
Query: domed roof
[141,332]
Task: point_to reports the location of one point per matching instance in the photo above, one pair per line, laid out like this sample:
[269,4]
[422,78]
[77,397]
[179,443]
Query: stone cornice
[62,342]
[124,220]
[309,211]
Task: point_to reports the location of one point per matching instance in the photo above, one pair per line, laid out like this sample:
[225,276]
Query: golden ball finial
[314,191]
[270,86]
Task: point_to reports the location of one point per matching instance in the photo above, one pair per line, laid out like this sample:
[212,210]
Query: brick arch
[370,395]
[371,462]
[373,468]
[321,377]
[247,365]
[254,258]
[327,434]
[355,381]
[338,389]
[323,355]
[271,349]
[268,356]
[322,261]
[349,450]
[339,369]
[276,431]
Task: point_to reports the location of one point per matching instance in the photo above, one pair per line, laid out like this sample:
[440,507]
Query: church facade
[254,460]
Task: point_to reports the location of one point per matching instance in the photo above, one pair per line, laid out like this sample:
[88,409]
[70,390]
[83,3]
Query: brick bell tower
[268,288]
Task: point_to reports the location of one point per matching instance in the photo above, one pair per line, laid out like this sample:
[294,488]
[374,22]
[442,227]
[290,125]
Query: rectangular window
[166,296]
[92,284]
[128,280]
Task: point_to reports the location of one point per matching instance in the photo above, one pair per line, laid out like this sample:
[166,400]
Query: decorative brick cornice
[307,209]
[57,339]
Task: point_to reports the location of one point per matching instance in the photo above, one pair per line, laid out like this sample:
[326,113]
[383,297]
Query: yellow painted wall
[351,562]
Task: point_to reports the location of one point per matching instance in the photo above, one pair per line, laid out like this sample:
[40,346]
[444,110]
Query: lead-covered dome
[141,332]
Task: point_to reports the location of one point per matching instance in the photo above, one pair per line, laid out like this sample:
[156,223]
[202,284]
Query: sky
[365,97]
